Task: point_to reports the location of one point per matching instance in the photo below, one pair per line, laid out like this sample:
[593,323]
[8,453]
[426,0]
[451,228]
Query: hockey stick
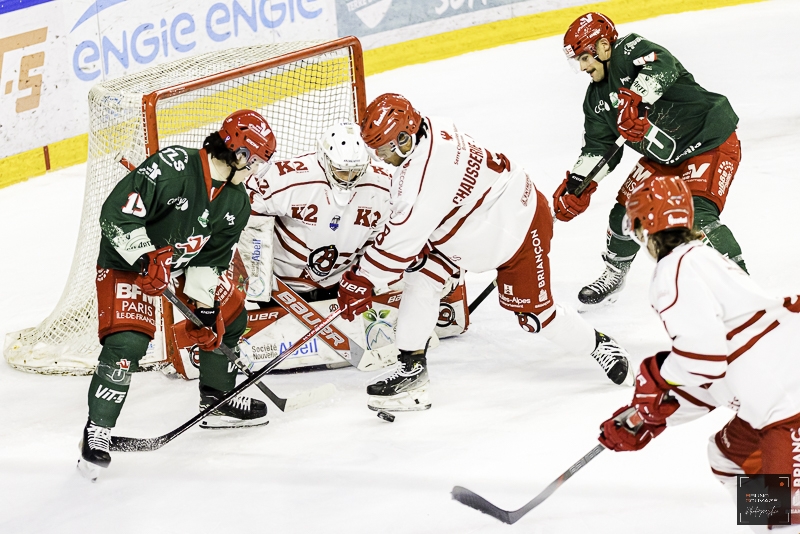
[285,405]
[628,419]
[473,500]
[345,347]
[610,153]
[119,443]
[486,292]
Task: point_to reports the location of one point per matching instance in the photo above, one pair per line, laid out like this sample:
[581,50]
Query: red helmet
[387,117]
[660,203]
[584,33]
[246,132]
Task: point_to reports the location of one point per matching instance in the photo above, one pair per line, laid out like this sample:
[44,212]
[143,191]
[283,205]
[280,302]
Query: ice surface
[510,411]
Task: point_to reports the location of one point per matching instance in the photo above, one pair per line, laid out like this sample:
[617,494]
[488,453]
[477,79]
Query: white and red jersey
[471,204]
[729,337]
[320,230]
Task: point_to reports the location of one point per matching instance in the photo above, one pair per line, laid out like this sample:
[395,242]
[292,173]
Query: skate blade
[218,422]
[88,470]
[408,401]
[630,379]
[608,301]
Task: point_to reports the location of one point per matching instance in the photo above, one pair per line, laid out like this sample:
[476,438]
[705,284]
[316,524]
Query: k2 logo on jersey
[322,260]
[290,166]
[365,217]
[186,251]
[446,136]
[181,204]
[305,212]
[230,218]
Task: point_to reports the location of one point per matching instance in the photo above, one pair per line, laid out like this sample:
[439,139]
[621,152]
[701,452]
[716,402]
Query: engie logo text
[157,38]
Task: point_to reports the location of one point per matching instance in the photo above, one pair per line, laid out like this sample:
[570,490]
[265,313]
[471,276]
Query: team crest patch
[322,260]
[334,224]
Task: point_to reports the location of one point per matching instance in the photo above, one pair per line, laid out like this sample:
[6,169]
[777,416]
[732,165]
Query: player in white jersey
[328,206]
[733,345]
[456,204]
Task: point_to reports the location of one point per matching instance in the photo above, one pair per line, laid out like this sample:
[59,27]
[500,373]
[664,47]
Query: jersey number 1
[135,206]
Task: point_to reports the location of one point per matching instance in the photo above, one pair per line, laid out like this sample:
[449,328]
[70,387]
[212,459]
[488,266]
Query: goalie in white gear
[328,206]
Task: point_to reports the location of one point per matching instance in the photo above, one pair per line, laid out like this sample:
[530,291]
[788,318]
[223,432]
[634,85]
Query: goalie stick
[346,348]
[285,405]
[629,419]
[120,443]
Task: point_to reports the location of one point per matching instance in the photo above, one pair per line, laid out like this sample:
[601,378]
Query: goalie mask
[343,155]
[658,203]
[390,121]
[249,136]
[583,34]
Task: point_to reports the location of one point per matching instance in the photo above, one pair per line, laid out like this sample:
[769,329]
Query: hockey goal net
[299,87]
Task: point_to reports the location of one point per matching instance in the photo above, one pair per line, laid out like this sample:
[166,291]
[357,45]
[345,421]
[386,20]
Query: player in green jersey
[642,92]
[177,216]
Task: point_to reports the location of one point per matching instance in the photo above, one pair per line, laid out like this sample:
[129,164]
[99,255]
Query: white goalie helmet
[343,155]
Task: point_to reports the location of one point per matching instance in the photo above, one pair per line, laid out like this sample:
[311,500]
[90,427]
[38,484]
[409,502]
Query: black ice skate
[94,446]
[405,389]
[604,289]
[613,359]
[240,411]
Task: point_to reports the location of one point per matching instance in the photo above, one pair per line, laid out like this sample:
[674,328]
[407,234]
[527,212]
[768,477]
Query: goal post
[301,88]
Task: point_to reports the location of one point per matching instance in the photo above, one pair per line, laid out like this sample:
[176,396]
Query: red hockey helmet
[247,133]
[659,203]
[386,118]
[583,34]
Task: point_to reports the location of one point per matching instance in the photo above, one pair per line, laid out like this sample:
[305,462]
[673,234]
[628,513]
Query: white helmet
[343,155]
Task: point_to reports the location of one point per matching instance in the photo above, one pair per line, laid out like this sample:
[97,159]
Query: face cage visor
[629,230]
[393,147]
[246,159]
[345,178]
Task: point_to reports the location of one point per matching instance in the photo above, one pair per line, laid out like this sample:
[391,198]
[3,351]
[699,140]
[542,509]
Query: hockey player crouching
[181,211]
[327,205]
[463,206]
[732,345]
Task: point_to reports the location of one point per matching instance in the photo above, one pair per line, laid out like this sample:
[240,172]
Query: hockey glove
[355,294]
[617,435]
[154,271]
[209,336]
[630,124]
[649,397]
[566,204]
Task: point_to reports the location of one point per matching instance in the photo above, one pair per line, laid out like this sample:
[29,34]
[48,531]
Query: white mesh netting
[299,95]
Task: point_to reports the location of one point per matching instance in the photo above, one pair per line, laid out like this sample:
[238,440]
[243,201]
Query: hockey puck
[386,416]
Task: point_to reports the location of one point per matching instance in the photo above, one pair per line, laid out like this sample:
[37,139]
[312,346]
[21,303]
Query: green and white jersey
[686,119]
[171,199]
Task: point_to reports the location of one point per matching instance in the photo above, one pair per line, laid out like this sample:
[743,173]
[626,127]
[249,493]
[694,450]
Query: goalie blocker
[271,329]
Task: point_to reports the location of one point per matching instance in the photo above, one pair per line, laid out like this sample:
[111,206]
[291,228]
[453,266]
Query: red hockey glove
[630,124]
[649,396]
[566,204]
[616,433]
[209,336]
[355,294]
[155,270]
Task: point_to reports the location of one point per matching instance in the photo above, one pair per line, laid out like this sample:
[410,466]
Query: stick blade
[123,444]
[312,396]
[473,500]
